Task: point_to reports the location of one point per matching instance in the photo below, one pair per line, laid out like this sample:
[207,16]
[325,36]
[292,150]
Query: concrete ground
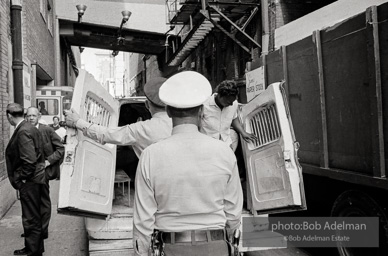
[68,237]
[67,234]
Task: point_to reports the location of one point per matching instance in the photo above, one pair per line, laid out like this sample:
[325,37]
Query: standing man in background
[54,152]
[42,108]
[220,112]
[188,188]
[26,172]
[55,125]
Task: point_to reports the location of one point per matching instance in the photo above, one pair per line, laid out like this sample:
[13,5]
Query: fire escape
[195,19]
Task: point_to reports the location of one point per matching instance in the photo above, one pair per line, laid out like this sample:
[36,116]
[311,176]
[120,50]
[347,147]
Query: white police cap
[186,89]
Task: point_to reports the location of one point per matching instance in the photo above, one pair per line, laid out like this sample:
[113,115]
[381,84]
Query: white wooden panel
[321,18]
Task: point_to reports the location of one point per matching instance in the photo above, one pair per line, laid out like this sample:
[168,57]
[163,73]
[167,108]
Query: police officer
[188,188]
[141,134]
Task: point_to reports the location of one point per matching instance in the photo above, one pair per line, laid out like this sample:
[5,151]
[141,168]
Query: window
[66,104]
[48,106]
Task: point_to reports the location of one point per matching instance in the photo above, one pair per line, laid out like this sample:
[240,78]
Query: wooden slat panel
[128,252]
[324,144]
[110,245]
[383,37]
[375,82]
[349,96]
[304,96]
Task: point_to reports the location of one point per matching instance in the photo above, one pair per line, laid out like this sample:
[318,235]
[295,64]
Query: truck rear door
[274,175]
[88,170]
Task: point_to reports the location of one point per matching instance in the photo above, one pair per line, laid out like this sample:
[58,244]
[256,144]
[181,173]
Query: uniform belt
[193,236]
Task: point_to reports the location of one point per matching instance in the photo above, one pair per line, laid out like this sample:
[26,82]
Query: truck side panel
[303,95]
[348,96]
[334,96]
[382,13]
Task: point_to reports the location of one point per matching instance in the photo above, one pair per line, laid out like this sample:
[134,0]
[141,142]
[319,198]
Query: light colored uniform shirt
[188,181]
[216,122]
[140,135]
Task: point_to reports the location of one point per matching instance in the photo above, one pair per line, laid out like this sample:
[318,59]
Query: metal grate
[265,125]
[95,112]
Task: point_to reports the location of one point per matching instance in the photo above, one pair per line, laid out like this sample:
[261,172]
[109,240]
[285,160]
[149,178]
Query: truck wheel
[355,203]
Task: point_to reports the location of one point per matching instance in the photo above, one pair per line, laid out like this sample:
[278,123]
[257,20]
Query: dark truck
[336,81]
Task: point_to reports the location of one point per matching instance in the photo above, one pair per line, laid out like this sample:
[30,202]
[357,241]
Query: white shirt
[188,181]
[41,121]
[216,122]
[16,126]
[140,135]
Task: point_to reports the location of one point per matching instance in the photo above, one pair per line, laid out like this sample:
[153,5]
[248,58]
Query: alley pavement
[67,234]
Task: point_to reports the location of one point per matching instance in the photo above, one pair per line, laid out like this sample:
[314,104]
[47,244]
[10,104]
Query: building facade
[44,60]
[225,48]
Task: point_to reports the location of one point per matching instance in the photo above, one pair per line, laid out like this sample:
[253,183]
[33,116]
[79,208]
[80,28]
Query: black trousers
[30,198]
[45,209]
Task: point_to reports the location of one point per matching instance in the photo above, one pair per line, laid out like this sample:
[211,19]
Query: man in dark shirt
[55,125]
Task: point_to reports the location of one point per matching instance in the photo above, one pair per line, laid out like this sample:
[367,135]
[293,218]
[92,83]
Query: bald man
[54,152]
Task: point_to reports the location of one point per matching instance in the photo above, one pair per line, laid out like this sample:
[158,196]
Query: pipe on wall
[17,47]
[57,50]
[265,27]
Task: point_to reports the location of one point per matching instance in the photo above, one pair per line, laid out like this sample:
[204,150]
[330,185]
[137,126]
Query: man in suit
[25,166]
[54,152]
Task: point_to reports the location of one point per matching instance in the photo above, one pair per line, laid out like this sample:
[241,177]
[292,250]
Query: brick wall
[5,38]
[7,193]
[38,42]
[152,68]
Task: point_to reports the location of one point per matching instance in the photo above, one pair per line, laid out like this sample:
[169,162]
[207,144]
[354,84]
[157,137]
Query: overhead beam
[105,37]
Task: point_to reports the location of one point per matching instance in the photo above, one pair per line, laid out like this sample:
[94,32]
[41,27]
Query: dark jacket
[54,150]
[24,156]
[54,127]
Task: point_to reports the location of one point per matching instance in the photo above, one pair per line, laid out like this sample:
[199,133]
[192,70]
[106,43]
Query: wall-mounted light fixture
[81,10]
[120,39]
[126,15]
[115,53]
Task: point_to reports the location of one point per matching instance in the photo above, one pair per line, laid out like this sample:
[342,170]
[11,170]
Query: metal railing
[171,9]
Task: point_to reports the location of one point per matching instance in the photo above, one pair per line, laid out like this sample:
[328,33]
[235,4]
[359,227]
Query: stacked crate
[113,236]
